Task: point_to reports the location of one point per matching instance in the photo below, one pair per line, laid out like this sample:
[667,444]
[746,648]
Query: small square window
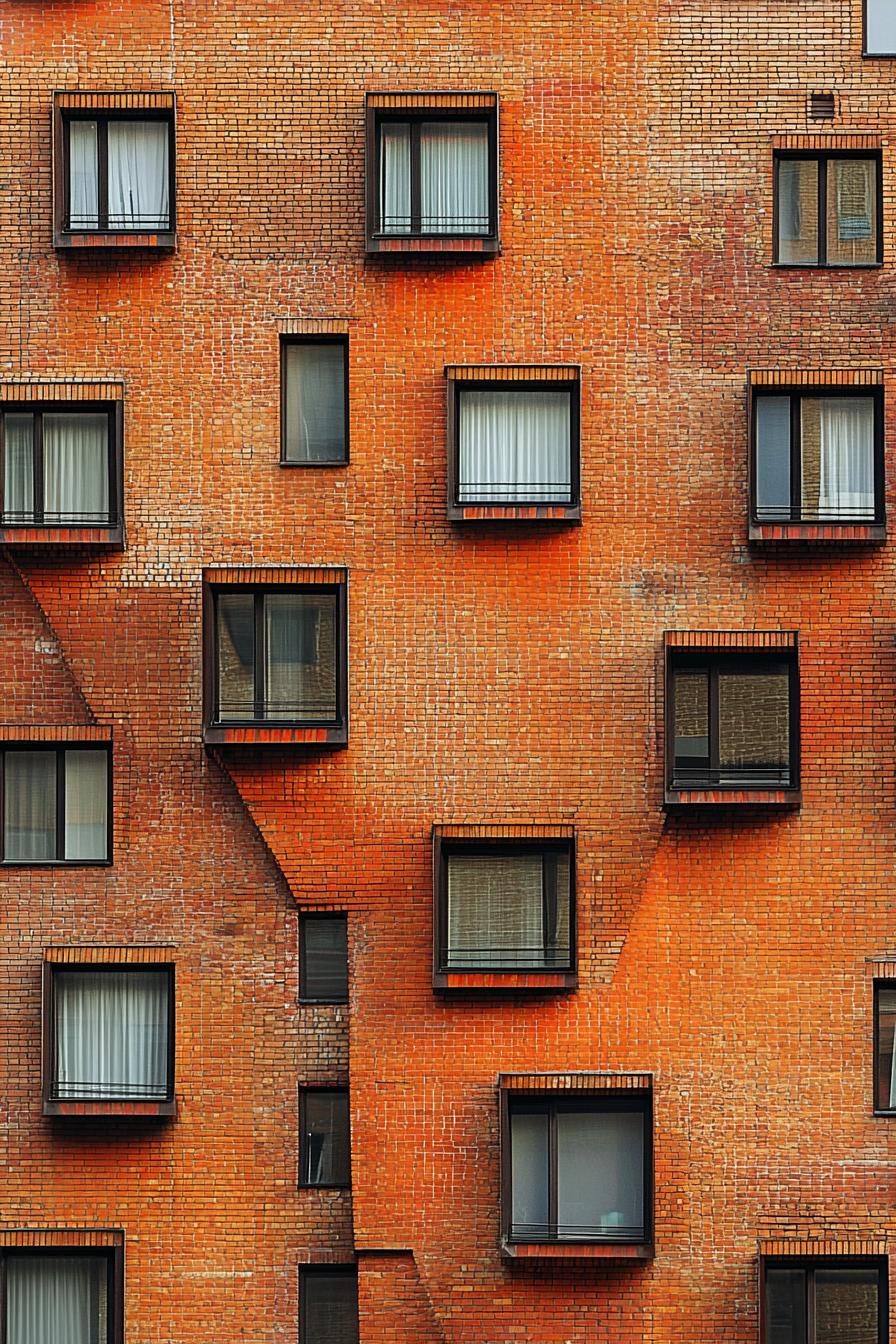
[42,1288]
[324,1147]
[56,804]
[827,209]
[880,28]
[314,374]
[328,1305]
[885,1046]
[824,1300]
[324,958]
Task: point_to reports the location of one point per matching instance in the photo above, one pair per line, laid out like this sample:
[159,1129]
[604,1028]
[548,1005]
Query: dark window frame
[51,1095]
[326,339]
[322,1272]
[114,1257]
[879,987]
[60,748]
[729,660]
[811,1263]
[872,55]
[304,917]
[605,1101]
[114,411]
[102,116]
[305,1155]
[823,158]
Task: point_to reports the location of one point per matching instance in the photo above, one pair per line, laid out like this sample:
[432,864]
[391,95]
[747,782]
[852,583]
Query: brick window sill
[109,1109]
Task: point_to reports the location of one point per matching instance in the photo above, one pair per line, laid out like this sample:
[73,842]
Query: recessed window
[61,464]
[885,1046]
[578,1169]
[324,958]
[325,1149]
[880,28]
[315,401]
[59,1294]
[827,209]
[118,171]
[328,1306]
[824,1301]
[818,456]
[56,805]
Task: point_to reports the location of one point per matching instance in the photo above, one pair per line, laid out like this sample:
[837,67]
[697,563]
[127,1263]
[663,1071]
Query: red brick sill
[263,735]
[472,247]
[153,241]
[685,799]
[506,982]
[565,1250]
[503,513]
[838,534]
[60,538]
[108,1109]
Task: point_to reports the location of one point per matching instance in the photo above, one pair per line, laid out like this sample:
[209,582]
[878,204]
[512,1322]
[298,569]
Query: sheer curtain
[86,804]
[76,468]
[454,177]
[315,402]
[847,457]
[514,447]
[395,177]
[18,467]
[111,1034]
[291,634]
[56,1299]
[495,911]
[29,805]
[138,175]
[83,175]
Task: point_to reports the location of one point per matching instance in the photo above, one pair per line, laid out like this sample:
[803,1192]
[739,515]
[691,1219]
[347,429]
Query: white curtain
[111,1034]
[395,177]
[83,175]
[315,402]
[495,911]
[138,175]
[76,468]
[454,177]
[29,822]
[56,1299]
[514,447]
[847,457]
[86,803]
[18,467]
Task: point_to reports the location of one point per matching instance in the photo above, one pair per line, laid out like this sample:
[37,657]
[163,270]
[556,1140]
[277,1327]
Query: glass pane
[880,31]
[395,177]
[515,447]
[300,656]
[329,1308]
[76,468]
[754,726]
[846,1306]
[852,211]
[837,442]
[315,403]
[83,182]
[508,911]
[886,1049]
[529,1217]
[773,458]
[138,175]
[797,202]
[691,723]
[236,656]
[785,1306]
[18,468]
[111,1034]
[86,804]
[52,1298]
[325,958]
[326,1139]
[600,1175]
[29,806]
[454,177]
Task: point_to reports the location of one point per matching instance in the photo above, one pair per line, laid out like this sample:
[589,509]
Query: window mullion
[416,193]
[714,766]
[822,211]
[60,803]
[37,484]
[259,707]
[548,906]
[102,172]
[810,1306]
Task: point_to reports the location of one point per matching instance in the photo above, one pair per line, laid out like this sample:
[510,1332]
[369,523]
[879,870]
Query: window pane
[86,804]
[236,656]
[508,911]
[600,1175]
[52,1298]
[18,468]
[138,175]
[886,1053]
[327,1149]
[691,722]
[454,177]
[395,177]
[324,958]
[329,1308]
[880,20]
[315,402]
[797,201]
[515,447]
[754,726]
[846,1306]
[773,458]
[83,182]
[300,656]
[29,806]
[76,468]
[852,211]
[785,1306]
[529,1216]
[837,439]
[111,1034]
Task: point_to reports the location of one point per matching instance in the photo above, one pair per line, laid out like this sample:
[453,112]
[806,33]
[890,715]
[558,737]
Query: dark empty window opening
[325,1148]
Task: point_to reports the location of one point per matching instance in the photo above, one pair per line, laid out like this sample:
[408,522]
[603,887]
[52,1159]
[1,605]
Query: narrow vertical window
[315,399]
[328,1306]
[324,958]
[325,1149]
[885,1053]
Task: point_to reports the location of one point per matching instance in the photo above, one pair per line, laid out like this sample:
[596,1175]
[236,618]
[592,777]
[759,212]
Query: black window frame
[796,395]
[823,158]
[114,1257]
[880,987]
[326,339]
[305,1154]
[872,55]
[60,749]
[323,1272]
[114,411]
[329,916]
[809,1264]
[611,1100]
[103,116]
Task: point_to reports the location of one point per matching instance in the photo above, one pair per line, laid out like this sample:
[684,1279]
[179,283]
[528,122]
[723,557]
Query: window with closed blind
[323,956]
[328,1305]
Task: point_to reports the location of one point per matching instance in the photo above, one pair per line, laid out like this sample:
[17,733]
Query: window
[314,380]
[324,958]
[324,1149]
[57,1293]
[827,209]
[117,169]
[61,464]
[578,1169]
[885,1046]
[817,455]
[824,1301]
[880,28]
[328,1305]
[56,805]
